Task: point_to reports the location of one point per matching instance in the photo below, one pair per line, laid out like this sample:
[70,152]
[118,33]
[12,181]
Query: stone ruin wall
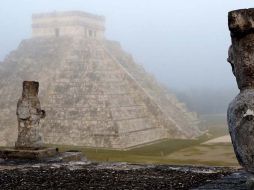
[97,103]
[68,24]
[166,100]
[101,106]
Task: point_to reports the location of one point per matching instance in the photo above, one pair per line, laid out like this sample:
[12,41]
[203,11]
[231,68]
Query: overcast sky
[183,43]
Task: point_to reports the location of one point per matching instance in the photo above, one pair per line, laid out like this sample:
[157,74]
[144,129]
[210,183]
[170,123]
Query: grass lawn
[155,153]
[172,151]
[166,152]
[214,155]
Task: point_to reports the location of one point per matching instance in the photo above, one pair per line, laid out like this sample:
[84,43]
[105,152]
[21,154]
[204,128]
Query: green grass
[147,154]
[213,155]
[172,151]
[158,153]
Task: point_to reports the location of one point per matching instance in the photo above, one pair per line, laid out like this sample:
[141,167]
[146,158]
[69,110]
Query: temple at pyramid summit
[72,24]
[93,92]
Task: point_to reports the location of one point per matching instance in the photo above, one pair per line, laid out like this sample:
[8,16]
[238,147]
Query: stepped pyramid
[93,92]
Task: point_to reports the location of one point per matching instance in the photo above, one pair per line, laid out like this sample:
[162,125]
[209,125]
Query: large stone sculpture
[29,145]
[29,114]
[241,109]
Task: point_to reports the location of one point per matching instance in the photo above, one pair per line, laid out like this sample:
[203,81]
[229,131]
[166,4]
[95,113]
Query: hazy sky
[183,43]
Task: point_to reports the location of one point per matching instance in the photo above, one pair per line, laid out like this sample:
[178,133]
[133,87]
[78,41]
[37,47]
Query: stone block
[12,153]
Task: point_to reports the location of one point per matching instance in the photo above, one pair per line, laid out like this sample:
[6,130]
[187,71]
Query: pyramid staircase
[94,95]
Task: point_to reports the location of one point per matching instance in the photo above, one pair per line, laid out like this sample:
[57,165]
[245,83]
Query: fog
[99,104]
[183,43]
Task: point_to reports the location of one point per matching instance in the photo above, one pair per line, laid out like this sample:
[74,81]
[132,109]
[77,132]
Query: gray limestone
[241,109]
[29,145]
[29,114]
[30,154]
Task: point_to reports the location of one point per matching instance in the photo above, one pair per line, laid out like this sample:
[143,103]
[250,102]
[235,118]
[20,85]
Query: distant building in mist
[73,23]
[93,92]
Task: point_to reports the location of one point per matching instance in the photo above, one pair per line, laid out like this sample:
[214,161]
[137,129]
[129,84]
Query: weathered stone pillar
[241,109]
[29,114]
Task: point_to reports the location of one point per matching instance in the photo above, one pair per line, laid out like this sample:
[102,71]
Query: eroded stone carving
[241,109]
[29,114]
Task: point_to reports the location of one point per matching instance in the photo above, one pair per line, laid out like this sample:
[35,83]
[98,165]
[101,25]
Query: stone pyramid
[93,92]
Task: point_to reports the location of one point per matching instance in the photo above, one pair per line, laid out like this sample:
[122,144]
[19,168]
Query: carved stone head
[241,52]
[30,89]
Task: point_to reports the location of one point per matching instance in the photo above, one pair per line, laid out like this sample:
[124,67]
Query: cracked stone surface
[29,113]
[241,109]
